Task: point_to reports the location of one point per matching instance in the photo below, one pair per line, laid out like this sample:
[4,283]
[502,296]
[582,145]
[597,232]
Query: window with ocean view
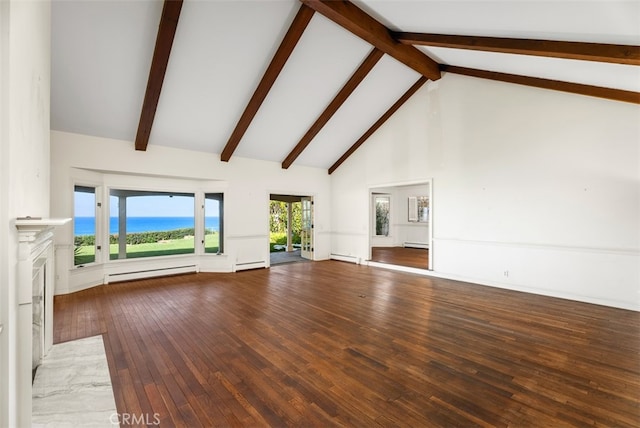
[150,224]
[84,224]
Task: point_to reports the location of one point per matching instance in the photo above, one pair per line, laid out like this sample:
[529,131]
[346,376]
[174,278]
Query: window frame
[221,243]
[104,182]
[97,216]
[138,191]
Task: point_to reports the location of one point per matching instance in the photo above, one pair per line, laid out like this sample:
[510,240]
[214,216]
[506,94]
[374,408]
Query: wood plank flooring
[338,344]
[401,256]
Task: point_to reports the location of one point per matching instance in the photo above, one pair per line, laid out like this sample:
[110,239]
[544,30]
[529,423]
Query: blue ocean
[87,225]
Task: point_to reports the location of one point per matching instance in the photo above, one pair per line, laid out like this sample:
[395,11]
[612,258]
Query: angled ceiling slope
[365,27]
[273,80]
[289,42]
[368,28]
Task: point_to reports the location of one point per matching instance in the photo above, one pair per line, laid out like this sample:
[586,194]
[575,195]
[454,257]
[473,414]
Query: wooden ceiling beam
[162,51]
[355,20]
[353,82]
[379,123]
[574,88]
[601,52]
[296,29]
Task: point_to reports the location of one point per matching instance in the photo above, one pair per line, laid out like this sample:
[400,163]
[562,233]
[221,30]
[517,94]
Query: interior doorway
[291,232]
[401,225]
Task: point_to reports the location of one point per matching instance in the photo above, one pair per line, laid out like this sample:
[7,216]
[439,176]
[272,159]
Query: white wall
[533,190]
[246,185]
[394,155]
[24,160]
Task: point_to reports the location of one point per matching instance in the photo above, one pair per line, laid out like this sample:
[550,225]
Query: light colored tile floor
[286,257]
[72,387]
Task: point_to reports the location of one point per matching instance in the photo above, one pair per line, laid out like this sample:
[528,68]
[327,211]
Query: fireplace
[40,339]
[35,289]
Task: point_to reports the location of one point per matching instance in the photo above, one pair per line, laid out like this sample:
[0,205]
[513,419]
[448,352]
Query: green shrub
[280,238]
[153,237]
[84,241]
[138,238]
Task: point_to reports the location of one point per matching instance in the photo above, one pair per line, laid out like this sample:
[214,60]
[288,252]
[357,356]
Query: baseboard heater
[343,258]
[416,245]
[149,273]
[251,265]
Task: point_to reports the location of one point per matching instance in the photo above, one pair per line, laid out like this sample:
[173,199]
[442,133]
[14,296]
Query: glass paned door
[306,232]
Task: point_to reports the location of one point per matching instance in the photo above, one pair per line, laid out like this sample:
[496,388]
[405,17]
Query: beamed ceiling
[307,82]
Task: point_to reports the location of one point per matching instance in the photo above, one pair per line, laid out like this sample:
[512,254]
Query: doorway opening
[401,225]
[290,228]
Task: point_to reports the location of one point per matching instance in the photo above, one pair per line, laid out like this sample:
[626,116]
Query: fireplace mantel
[34,235]
[29,228]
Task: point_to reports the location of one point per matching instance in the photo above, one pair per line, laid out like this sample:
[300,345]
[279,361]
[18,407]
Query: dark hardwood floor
[401,256]
[332,343]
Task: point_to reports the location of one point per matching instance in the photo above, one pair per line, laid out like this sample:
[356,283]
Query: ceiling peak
[358,22]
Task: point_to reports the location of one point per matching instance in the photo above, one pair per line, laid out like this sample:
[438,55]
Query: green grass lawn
[86,254]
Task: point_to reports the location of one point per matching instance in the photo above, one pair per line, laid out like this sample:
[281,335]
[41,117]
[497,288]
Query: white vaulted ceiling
[102,51]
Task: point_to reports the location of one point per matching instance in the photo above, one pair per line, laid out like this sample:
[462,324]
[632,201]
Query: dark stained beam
[574,88]
[285,198]
[296,29]
[357,77]
[164,41]
[349,16]
[621,54]
[379,123]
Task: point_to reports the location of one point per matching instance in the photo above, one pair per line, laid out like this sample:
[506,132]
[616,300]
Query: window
[150,224]
[382,207]
[84,225]
[213,223]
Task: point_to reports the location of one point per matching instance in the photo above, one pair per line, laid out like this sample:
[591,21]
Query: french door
[306,233]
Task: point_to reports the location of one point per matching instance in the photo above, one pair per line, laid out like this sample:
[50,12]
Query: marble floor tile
[72,387]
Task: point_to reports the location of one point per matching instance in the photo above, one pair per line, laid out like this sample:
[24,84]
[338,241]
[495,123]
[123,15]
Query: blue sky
[147,206]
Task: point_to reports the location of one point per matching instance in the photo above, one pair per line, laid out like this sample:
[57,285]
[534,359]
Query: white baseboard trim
[216,270]
[543,292]
[342,258]
[149,273]
[78,287]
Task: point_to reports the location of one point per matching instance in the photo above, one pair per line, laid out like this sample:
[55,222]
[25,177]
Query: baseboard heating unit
[251,265]
[342,258]
[416,245]
[148,273]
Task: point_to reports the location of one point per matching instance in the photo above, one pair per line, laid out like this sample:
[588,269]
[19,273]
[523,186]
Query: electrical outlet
[506,273]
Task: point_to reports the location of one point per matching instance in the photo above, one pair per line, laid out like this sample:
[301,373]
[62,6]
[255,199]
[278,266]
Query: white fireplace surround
[35,287]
